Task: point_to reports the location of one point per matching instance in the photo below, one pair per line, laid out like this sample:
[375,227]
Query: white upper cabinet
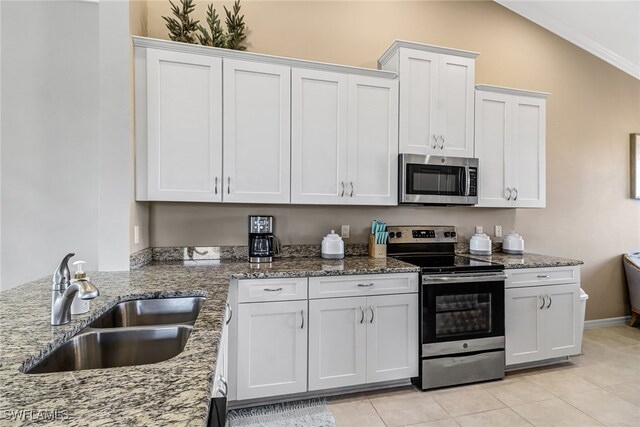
[510,139]
[179,130]
[436,98]
[373,141]
[256,132]
[217,125]
[318,136]
[344,144]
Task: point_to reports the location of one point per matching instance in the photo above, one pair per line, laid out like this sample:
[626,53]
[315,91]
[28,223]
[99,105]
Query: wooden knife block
[376,250]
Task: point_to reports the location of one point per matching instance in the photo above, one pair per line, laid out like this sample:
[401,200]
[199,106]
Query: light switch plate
[344,231]
[136,234]
[498,231]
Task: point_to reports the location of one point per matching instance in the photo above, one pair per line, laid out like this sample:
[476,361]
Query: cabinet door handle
[361,315]
[509,196]
[342,193]
[435,141]
[228,185]
[543,301]
[441,142]
[550,301]
[372,314]
[543,276]
[302,317]
[365,286]
[351,184]
[230,314]
[215,185]
[226,386]
[272,290]
[516,196]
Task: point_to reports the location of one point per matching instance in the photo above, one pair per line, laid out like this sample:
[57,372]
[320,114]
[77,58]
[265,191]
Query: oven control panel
[422,234]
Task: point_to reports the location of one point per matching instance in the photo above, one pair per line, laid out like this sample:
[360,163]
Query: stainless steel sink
[97,349]
[135,332]
[144,312]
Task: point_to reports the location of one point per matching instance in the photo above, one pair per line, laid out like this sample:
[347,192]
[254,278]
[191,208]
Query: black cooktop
[434,263]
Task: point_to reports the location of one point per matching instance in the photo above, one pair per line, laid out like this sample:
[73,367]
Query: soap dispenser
[79,306]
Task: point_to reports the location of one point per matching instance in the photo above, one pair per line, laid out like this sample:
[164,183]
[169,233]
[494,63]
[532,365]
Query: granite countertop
[528,260]
[173,392]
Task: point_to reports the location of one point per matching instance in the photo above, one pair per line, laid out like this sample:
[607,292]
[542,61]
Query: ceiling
[608,29]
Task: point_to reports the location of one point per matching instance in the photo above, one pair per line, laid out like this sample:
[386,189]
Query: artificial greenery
[183,29]
[235,27]
[216,38]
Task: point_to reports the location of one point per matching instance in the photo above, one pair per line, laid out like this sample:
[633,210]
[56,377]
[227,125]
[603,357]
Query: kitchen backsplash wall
[591,111]
[183,224]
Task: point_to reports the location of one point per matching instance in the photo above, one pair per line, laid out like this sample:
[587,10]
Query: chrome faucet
[64,290]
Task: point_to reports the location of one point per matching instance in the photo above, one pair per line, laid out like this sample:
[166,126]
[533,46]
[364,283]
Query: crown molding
[397,44]
[512,91]
[146,42]
[574,37]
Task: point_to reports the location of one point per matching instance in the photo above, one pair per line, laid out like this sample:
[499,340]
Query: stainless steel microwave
[437,180]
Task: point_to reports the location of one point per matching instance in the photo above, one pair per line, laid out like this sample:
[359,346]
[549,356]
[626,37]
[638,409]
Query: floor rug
[301,413]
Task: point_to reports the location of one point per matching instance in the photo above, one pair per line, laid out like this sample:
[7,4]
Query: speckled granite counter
[173,392]
[528,260]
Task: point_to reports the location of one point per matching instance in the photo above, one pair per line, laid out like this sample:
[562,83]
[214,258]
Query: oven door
[437,180]
[461,307]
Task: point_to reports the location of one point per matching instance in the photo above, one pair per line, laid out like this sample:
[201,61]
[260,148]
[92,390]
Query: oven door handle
[432,279]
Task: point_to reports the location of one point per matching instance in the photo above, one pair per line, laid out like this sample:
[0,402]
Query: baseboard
[611,321]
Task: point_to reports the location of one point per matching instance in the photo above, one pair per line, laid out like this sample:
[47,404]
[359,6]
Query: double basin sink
[134,332]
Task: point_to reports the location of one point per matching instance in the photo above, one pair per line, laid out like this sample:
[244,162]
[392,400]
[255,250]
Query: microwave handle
[467,186]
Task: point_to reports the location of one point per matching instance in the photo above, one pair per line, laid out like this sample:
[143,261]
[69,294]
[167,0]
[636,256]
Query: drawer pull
[543,276]
[272,290]
[365,286]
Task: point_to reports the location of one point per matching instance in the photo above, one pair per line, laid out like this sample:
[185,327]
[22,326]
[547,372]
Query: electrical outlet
[136,234]
[498,231]
[479,229]
[344,231]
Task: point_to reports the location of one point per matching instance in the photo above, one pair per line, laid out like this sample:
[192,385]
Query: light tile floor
[599,387]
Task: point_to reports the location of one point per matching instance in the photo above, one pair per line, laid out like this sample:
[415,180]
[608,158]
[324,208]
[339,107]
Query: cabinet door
[272,349]
[418,102]
[256,132]
[373,141]
[561,320]
[492,139]
[528,151]
[337,343]
[184,126]
[524,327]
[456,85]
[392,337]
[318,137]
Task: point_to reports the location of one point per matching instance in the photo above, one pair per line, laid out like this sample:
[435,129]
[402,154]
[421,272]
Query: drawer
[281,289]
[367,284]
[541,276]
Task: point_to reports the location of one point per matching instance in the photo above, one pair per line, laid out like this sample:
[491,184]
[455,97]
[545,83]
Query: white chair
[632,268]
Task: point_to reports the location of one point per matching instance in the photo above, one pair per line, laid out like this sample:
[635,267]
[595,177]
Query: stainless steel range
[461,309]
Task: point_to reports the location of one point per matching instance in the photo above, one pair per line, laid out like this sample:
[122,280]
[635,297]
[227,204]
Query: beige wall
[591,112]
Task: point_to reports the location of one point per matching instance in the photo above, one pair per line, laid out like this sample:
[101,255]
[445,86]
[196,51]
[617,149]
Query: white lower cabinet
[337,342]
[362,340]
[542,322]
[271,349]
[392,337]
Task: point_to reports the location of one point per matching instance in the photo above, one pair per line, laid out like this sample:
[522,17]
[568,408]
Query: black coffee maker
[262,241]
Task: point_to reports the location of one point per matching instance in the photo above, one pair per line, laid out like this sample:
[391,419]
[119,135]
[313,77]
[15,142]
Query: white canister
[332,246]
[480,244]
